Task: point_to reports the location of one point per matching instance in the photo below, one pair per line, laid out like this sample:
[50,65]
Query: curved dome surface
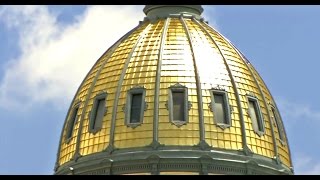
[173,95]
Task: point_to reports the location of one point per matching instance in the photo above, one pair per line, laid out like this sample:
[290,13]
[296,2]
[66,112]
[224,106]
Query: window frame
[226,107]
[74,117]
[92,119]
[187,104]
[277,120]
[259,115]
[127,107]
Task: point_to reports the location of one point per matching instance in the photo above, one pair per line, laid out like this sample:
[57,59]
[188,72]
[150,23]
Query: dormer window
[135,106]
[255,115]
[220,108]
[97,113]
[72,121]
[178,104]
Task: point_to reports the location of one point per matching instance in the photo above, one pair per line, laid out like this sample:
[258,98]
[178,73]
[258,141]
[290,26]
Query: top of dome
[161,11]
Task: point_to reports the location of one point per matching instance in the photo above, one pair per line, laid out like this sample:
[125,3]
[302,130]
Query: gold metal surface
[177,67]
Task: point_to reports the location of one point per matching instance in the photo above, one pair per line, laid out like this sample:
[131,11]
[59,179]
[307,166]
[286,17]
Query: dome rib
[246,62]
[202,142]
[110,147]
[276,107]
[275,147]
[235,89]
[155,142]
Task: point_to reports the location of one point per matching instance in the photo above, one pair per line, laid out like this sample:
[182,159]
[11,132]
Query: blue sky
[45,52]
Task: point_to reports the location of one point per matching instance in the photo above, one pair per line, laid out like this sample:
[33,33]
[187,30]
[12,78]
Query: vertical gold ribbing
[155,142]
[110,147]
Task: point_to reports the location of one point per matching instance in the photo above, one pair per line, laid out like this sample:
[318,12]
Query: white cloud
[294,111]
[305,165]
[54,57]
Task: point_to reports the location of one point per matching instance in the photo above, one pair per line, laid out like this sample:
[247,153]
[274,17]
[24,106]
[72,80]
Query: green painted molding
[198,84]
[164,11]
[177,159]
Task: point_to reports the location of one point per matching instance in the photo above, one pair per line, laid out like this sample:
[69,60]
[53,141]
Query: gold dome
[173,95]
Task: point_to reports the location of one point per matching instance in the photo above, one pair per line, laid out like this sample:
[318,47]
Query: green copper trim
[155,142]
[164,11]
[178,159]
[199,89]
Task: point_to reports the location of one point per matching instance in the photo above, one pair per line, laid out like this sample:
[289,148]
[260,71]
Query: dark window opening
[220,109]
[98,113]
[178,103]
[255,114]
[72,122]
[135,111]
[278,123]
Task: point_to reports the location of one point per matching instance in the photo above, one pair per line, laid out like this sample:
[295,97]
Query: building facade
[173,96]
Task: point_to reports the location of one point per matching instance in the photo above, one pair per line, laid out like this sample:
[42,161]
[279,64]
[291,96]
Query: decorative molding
[187,104]
[167,105]
[223,126]
[177,85]
[277,159]
[204,145]
[219,88]
[179,123]
[145,106]
[109,149]
[134,125]
[155,145]
[247,151]
[251,94]
[153,162]
[76,156]
[231,109]
[137,87]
